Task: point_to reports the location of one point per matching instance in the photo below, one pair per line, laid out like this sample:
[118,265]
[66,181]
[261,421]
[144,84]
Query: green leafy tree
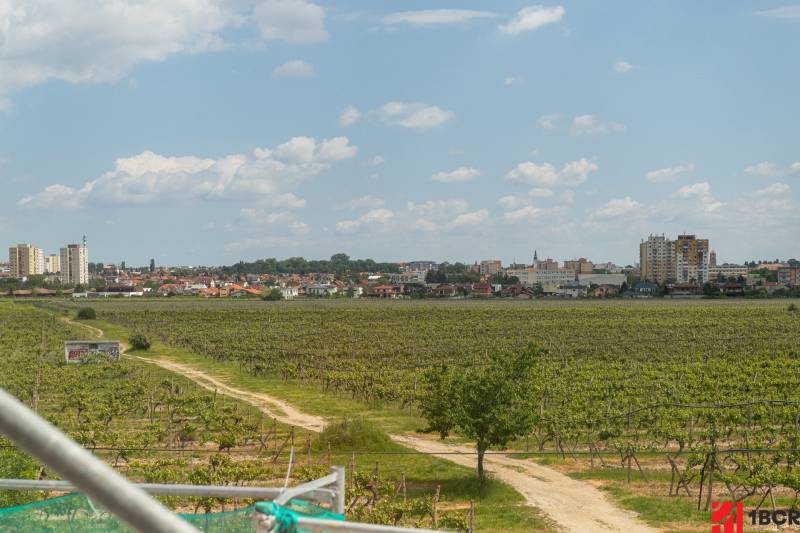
[488,404]
[273,295]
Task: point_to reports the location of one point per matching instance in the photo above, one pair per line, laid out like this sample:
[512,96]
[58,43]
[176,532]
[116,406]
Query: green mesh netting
[76,513]
[286,515]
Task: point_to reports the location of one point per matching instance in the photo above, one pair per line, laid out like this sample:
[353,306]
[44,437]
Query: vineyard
[703,393]
[156,427]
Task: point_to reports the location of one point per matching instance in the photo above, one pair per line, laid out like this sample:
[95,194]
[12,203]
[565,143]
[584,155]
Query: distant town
[684,267]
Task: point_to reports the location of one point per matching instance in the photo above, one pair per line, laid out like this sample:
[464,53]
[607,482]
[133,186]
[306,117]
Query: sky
[213,131]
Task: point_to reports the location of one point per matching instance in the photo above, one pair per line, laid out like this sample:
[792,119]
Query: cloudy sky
[208,131]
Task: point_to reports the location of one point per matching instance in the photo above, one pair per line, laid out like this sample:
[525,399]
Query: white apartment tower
[657,259]
[25,260]
[75,264]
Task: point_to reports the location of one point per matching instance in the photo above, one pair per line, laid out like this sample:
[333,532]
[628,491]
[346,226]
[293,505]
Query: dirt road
[574,506]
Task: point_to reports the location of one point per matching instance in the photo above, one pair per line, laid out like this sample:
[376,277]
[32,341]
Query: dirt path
[269,405]
[574,506]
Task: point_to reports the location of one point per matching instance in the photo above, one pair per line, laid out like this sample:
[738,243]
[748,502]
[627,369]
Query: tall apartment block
[691,259]
[657,259]
[25,260]
[75,264]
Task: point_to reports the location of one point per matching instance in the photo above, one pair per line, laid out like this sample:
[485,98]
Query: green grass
[659,510]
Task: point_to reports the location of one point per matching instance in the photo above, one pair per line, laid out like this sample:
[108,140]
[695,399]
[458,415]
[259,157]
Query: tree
[488,404]
[152,265]
[273,295]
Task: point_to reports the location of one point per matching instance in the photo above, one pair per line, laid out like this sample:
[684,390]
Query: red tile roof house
[482,290]
[383,291]
[444,290]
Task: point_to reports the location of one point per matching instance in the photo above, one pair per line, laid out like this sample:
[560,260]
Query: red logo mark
[725,518]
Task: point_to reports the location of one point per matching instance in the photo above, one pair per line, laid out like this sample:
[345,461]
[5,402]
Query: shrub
[792,308]
[139,341]
[353,434]
[273,295]
[86,313]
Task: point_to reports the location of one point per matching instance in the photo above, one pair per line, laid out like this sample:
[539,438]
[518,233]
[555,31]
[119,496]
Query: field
[155,426]
[703,395]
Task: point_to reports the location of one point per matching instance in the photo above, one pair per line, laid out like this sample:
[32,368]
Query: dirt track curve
[573,506]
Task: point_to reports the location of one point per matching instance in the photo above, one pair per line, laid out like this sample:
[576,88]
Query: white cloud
[364,202]
[370,218]
[435,17]
[349,116]
[458,175]
[512,80]
[413,115]
[532,18]
[785,12]
[97,41]
[771,170]
[94,41]
[440,208]
[375,161]
[293,21]
[259,217]
[668,174]
[700,192]
[776,189]
[527,213]
[288,200]
[512,202]
[539,192]
[588,125]
[150,178]
[548,122]
[621,67]
[469,219]
[294,69]
[617,208]
[571,174]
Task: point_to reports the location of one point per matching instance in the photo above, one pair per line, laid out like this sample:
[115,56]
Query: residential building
[482,290]
[52,264]
[602,279]
[580,266]
[529,277]
[490,267]
[727,271]
[25,260]
[547,264]
[322,289]
[422,266]
[789,276]
[572,290]
[657,259]
[712,259]
[289,292]
[75,264]
[691,259]
[410,276]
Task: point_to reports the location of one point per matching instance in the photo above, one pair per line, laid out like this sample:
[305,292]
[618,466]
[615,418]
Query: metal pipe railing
[209,491]
[89,474]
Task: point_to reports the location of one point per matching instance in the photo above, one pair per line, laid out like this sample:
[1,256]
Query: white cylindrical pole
[88,473]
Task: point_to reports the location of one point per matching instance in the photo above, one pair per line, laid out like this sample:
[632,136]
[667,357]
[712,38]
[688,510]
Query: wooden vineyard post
[471,520]
[436,507]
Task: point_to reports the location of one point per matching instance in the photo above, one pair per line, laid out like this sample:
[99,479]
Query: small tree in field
[139,341]
[86,313]
[273,295]
[488,404]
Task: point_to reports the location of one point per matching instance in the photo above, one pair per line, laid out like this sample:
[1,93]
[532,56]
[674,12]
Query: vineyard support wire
[89,474]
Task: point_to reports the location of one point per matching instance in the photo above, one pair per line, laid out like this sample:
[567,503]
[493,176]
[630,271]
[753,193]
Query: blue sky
[208,131]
